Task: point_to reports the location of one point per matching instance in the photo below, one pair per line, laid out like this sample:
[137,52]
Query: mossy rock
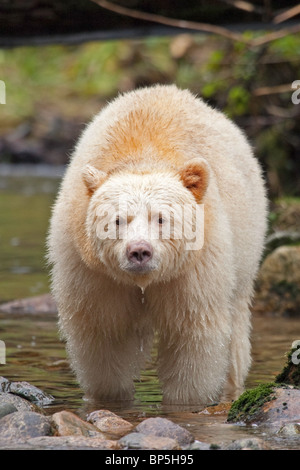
[247,407]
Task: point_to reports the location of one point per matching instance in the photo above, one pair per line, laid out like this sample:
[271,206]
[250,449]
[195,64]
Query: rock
[26,390]
[32,305]
[267,404]
[249,404]
[198,445]
[291,429]
[4,384]
[69,424]
[278,283]
[31,393]
[109,422]
[282,409]
[248,444]
[59,443]
[286,214]
[73,442]
[163,427]
[138,440]
[20,403]
[6,409]
[24,425]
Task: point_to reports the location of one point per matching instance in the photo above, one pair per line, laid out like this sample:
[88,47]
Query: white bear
[125,268]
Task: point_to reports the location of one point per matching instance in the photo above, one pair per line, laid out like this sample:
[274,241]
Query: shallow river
[35,353]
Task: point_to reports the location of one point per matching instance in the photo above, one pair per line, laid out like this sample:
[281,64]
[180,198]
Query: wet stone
[269,404]
[18,402]
[25,390]
[32,305]
[284,408]
[67,423]
[248,444]
[72,442]
[4,384]
[137,440]
[58,443]
[30,392]
[110,423]
[24,425]
[163,427]
[6,409]
[290,429]
[198,445]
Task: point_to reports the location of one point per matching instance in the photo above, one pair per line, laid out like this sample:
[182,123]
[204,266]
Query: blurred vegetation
[252,85]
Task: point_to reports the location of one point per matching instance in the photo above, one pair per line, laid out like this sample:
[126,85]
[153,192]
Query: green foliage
[243,81]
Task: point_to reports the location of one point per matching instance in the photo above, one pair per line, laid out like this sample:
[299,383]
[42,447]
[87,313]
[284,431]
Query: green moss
[248,405]
[214,447]
[291,371]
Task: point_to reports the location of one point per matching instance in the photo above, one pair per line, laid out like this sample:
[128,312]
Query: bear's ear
[92,178]
[195,176]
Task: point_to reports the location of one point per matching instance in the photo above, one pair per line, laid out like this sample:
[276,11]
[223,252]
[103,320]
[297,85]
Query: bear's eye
[161,220]
[118,220]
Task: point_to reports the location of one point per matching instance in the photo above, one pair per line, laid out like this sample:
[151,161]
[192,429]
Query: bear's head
[146,225]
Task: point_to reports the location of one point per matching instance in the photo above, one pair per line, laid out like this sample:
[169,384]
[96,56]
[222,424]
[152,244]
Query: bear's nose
[139,252]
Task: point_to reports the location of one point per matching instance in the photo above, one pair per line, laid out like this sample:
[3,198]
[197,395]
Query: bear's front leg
[193,363]
[107,363]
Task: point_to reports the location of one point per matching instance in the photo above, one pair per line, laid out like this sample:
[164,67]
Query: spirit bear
[148,154]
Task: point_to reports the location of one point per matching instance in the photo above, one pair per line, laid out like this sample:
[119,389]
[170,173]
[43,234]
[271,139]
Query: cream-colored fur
[159,146]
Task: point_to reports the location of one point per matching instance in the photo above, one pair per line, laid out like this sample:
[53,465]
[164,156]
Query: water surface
[34,351]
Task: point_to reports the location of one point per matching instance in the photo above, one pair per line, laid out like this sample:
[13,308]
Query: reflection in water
[34,352]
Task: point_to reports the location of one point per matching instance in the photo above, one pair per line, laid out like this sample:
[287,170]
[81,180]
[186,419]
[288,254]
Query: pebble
[27,391]
[109,422]
[6,409]
[24,424]
[32,305]
[163,427]
[67,423]
[138,440]
[290,429]
[284,408]
[59,443]
[248,444]
[18,402]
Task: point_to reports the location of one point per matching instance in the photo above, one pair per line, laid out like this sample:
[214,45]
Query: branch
[275,35]
[203,27]
[272,90]
[245,6]
[140,15]
[287,14]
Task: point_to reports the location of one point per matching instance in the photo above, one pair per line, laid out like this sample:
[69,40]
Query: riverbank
[26,425]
